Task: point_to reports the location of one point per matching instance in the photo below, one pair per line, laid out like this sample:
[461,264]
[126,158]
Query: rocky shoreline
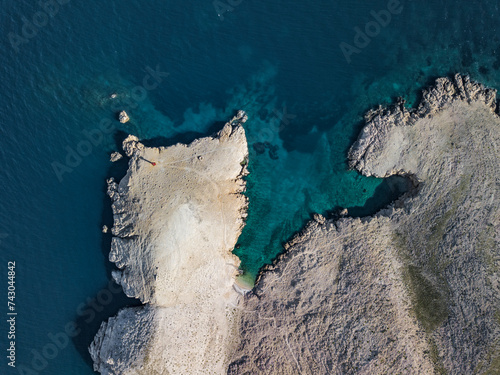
[412,289]
[178,213]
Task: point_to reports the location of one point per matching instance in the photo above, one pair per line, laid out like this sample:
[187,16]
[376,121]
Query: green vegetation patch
[428,300]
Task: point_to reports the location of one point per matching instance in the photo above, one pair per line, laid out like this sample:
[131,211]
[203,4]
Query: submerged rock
[259,147]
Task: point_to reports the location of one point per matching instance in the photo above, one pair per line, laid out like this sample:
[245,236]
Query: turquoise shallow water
[279,61]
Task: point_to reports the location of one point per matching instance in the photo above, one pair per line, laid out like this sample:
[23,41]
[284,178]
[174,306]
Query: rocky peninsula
[413,289]
[177,215]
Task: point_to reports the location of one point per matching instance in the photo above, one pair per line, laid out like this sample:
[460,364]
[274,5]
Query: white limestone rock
[177,218]
[123,117]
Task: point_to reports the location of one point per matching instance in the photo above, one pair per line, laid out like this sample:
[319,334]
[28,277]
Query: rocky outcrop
[115,156]
[384,126]
[415,289]
[123,117]
[178,213]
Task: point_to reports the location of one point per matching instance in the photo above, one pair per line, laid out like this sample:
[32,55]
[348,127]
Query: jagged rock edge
[458,89]
[131,145]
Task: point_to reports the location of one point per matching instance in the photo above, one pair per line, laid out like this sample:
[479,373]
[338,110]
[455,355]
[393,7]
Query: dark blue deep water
[280,61]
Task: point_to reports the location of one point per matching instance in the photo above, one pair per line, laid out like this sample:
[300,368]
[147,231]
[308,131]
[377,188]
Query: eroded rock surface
[412,290]
[177,215]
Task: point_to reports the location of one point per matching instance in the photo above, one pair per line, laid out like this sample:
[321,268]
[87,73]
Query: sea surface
[181,68]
